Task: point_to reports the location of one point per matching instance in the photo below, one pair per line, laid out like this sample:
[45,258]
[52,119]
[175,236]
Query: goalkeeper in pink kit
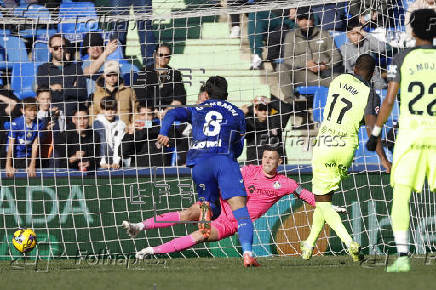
[264,187]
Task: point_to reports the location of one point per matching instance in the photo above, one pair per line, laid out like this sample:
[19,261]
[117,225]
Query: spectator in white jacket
[111,131]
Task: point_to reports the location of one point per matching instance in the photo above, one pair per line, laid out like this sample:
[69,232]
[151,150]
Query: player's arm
[370,121]
[293,187]
[31,170]
[177,114]
[238,147]
[10,170]
[383,115]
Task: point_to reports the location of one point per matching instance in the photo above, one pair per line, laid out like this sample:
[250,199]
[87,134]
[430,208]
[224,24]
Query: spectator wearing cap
[311,57]
[160,84]
[111,84]
[261,129]
[93,46]
[64,77]
[361,42]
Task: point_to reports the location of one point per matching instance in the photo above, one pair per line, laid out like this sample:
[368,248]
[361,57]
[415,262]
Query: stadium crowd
[84,115]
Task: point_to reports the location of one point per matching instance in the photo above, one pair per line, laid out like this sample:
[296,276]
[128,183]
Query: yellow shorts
[412,162]
[329,167]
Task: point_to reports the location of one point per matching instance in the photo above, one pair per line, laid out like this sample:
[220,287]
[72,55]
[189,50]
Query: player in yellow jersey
[350,100]
[414,73]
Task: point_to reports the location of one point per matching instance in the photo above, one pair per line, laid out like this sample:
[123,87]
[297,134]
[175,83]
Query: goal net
[76,207]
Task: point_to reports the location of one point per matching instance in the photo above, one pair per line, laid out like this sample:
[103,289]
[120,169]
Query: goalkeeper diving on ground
[351,100]
[412,71]
[264,188]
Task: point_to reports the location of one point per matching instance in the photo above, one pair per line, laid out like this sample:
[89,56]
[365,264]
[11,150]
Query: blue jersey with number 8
[217,129]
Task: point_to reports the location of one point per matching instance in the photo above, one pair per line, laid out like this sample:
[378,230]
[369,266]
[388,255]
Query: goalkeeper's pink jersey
[263,192]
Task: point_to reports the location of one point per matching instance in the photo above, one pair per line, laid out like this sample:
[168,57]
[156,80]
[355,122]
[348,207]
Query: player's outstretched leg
[178,244]
[334,221]
[400,226]
[317,225]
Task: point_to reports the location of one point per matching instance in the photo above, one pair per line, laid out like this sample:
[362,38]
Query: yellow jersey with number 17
[345,107]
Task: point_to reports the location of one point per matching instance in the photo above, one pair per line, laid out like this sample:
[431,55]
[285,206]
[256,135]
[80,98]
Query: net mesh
[77,210]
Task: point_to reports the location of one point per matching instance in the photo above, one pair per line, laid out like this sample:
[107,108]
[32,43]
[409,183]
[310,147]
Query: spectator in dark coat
[140,141]
[63,76]
[77,147]
[262,129]
[160,84]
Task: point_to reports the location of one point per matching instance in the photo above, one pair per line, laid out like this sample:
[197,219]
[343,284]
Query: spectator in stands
[417,4]
[236,18]
[140,143]
[376,13]
[368,9]
[80,145]
[160,84]
[310,56]
[111,131]
[361,42]
[93,46]
[111,84]
[54,120]
[262,129]
[9,110]
[332,16]
[64,77]
[144,27]
[23,144]
[260,26]
[47,112]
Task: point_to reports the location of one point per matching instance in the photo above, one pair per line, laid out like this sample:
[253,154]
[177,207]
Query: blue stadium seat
[309,90]
[15,49]
[23,79]
[32,11]
[3,58]
[319,102]
[40,52]
[38,14]
[82,17]
[363,156]
[129,72]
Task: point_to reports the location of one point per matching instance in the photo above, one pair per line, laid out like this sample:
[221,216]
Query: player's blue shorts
[216,174]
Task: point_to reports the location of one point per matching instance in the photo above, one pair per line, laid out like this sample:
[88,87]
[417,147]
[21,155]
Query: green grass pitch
[217,273]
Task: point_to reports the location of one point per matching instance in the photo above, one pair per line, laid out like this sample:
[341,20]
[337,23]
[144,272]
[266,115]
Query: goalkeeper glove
[371,144]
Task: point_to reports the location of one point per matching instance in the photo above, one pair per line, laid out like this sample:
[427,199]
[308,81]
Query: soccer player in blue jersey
[24,139]
[217,141]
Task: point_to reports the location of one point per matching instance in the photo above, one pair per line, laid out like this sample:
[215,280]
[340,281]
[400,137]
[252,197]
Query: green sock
[333,219]
[317,225]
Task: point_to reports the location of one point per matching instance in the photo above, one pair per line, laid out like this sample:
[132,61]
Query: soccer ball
[24,240]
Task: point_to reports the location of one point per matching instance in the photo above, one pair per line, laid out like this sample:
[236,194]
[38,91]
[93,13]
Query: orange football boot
[205,217]
[250,261]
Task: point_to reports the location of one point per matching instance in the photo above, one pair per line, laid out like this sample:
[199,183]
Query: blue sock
[245,228]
